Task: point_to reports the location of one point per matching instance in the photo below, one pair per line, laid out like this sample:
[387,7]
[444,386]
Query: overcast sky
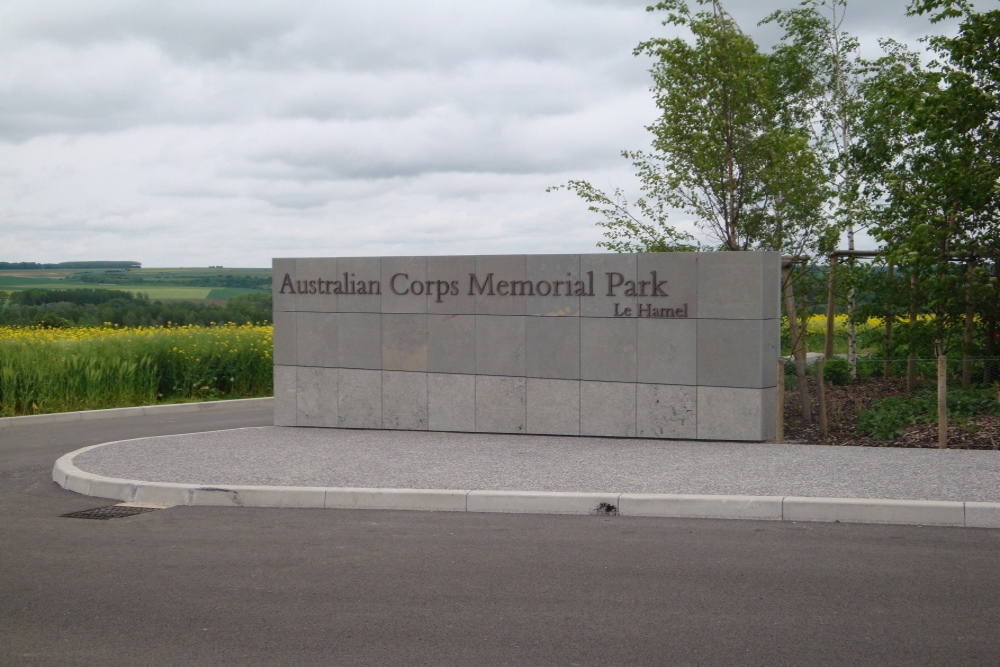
[194,133]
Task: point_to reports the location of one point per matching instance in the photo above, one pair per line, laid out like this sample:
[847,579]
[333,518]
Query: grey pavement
[338,468]
[258,585]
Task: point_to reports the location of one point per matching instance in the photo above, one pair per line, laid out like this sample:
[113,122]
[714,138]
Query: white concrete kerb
[139,411]
[773,508]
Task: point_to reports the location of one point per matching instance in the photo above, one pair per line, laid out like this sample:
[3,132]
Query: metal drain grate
[112,512]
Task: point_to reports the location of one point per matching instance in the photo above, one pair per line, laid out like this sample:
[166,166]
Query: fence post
[942,400]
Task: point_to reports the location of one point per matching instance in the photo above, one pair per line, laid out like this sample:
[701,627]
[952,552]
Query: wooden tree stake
[942,400]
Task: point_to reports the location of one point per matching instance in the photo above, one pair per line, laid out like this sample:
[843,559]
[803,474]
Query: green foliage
[646,230]
[126,309]
[837,371]
[931,163]
[37,296]
[888,417]
[43,371]
[726,148]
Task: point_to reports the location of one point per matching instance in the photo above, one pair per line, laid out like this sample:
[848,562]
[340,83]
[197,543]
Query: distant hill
[28,266]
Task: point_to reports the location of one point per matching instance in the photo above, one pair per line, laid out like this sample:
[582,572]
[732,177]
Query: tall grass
[85,368]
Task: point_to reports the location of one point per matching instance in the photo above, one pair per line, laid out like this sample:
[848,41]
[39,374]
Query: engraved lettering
[525,287]
[476,286]
[392,283]
[657,286]
[615,279]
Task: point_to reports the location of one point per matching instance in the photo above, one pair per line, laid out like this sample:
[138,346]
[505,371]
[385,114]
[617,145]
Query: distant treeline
[94,307]
[219,280]
[40,296]
[22,266]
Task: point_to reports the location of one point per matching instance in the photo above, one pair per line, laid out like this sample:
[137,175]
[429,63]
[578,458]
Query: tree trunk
[831,286]
[798,345]
[852,331]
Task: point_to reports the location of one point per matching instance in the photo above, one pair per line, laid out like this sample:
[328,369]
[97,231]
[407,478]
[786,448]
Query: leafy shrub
[887,418]
[837,371]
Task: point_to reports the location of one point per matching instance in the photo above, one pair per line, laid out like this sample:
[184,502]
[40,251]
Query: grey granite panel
[505,269]
[360,399]
[727,413]
[318,274]
[554,281]
[665,411]
[285,349]
[452,270]
[668,351]
[317,396]
[316,339]
[404,284]
[553,406]
[609,289]
[500,345]
[455,361]
[404,342]
[359,340]
[451,402]
[735,285]
[366,273]
[607,408]
[500,404]
[284,395]
[608,349]
[673,273]
[282,301]
[771,279]
[404,401]
[730,353]
[552,347]
[451,343]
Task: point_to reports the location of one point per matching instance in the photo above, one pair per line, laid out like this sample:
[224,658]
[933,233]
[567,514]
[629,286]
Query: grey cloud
[195,132]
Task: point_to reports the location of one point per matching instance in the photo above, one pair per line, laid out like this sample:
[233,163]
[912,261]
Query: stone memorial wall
[659,345]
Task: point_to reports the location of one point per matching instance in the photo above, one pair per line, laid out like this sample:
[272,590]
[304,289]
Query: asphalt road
[203,585]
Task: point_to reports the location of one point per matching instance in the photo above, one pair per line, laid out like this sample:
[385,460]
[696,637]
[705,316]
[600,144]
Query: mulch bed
[845,402]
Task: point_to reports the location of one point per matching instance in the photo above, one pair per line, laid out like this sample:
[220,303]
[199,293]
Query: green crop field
[46,370]
[190,284]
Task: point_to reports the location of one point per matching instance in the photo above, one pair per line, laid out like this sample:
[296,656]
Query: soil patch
[846,402]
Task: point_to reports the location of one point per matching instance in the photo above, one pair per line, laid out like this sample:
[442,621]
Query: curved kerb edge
[770,508]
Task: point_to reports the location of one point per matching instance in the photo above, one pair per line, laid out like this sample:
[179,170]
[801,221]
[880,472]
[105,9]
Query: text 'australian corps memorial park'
[400,284]
[658,345]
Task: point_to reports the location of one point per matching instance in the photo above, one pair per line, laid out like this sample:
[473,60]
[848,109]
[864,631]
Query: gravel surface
[281,456]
